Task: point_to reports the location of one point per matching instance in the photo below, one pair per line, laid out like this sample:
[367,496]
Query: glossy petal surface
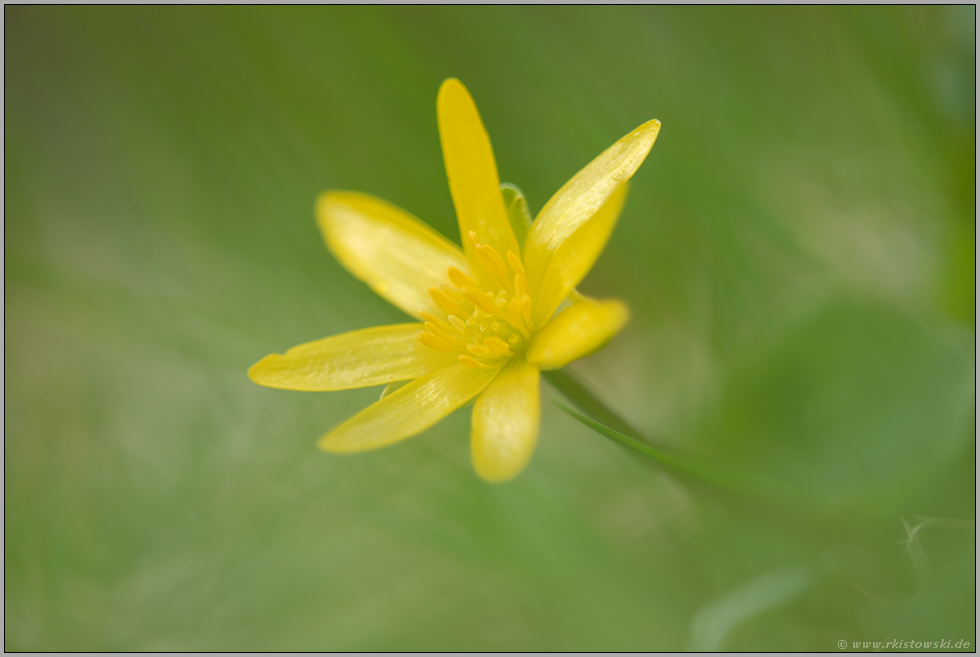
[472,170]
[589,197]
[358,359]
[577,331]
[506,418]
[408,410]
[387,248]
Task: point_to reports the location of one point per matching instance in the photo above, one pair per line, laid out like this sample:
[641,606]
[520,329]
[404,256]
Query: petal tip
[329,200]
[451,85]
[648,132]
[622,312]
[256,373]
[495,477]
[323,442]
[326,203]
[329,442]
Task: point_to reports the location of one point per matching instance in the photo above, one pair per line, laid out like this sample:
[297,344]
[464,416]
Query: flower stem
[780,502]
[576,392]
[607,422]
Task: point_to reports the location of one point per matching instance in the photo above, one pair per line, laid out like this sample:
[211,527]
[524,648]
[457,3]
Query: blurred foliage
[798,252]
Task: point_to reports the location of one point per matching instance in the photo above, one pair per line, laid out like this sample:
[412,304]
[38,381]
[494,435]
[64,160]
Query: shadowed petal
[577,331]
[506,418]
[589,197]
[358,359]
[408,410]
[387,248]
[472,171]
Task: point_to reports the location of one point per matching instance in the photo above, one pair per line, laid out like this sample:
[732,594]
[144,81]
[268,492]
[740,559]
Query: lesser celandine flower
[490,315]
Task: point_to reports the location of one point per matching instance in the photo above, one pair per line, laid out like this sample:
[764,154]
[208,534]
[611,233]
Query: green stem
[605,421]
[576,392]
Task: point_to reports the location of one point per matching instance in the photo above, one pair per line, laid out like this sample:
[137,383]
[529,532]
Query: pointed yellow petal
[472,171]
[408,410]
[574,258]
[577,331]
[357,359]
[505,422]
[387,248]
[593,196]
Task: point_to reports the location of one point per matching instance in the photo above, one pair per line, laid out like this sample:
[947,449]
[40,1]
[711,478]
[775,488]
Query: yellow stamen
[482,324]
[482,300]
[515,316]
[435,342]
[520,285]
[491,261]
[474,364]
[479,350]
[443,301]
[461,280]
[448,337]
[498,347]
[515,265]
[435,330]
[432,319]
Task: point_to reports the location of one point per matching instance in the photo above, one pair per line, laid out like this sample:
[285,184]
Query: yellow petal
[593,196]
[577,331]
[472,171]
[506,418]
[575,256]
[358,359]
[387,248]
[408,410]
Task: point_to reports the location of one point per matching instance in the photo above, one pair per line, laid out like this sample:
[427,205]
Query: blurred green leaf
[851,406]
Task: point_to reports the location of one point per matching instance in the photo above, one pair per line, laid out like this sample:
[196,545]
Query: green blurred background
[798,252]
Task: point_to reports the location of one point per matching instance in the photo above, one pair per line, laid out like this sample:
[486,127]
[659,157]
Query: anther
[479,350]
[482,300]
[492,261]
[435,342]
[472,363]
[498,347]
[432,319]
[515,316]
[515,264]
[520,285]
[443,301]
[459,279]
[435,330]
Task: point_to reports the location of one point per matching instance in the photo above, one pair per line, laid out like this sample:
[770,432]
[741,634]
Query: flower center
[485,324]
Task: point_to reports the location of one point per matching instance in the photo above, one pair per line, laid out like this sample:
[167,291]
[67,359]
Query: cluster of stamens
[482,327]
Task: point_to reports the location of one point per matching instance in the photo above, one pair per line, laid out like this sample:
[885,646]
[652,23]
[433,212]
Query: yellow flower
[492,314]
